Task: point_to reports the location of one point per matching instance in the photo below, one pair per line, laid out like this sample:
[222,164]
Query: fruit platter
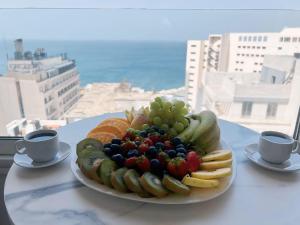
[158,154]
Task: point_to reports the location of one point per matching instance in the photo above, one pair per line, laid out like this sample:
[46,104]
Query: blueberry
[115,147]
[181,150]
[155,128]
[132,153]
[143,134]
[108,151]
[156,167]
[116,141]
[171,153]
[107,145]
[152,152]
[119,159]
[176,141]
[160,145]
[138,143]
[161,132]
[180,154]
[180,146]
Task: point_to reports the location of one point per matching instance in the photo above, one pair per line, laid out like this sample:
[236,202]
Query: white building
[37,87]
[269,101]
[235,52]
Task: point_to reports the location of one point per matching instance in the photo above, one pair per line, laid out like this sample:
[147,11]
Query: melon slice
[217,155]
[219,173]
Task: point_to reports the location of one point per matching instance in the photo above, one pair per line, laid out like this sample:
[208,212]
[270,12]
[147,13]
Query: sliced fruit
[105,170]
[213,165]
[152,184]
[93,172]
[104,137]
[131,179]
[107,128]
[117,179]
[217,155]
[175,185]
[88,142]
[123,126]
[206,175]
[200,183]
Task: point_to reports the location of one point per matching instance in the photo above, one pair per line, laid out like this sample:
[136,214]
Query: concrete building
[37,86]
[266,101]
[235,52]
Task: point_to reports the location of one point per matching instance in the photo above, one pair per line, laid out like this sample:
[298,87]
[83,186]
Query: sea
[145,64]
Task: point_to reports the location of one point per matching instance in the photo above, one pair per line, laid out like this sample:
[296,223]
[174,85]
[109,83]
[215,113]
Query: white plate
[197,194]
[291,165]
[23,160]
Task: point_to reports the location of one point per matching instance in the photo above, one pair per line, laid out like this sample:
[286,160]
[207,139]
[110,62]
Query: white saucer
[24,161]
[291,165]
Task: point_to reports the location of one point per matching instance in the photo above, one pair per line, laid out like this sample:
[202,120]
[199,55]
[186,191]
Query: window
[240,38]
[258,47]
[193,46]
[239,46]
[253,47]
[271,110]
[254,38]
[245,38]
[287,39]
[259,38]
[279,48]
[281,39]
[246,109]
[237,62]
[264,47]
[192,67]
[265,38]
[273,79]
[294,39]
[242,62]
[193,53]
[192,60]
[249,38]
[238,54]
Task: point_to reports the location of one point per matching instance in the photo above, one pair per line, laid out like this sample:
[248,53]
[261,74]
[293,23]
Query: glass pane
[62,65]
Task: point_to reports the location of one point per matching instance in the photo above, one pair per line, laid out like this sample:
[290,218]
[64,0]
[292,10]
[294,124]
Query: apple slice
[213,165]
[200,183]
[219,173]
[217,155]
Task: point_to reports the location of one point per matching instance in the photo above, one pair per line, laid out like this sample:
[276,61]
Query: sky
[109,22]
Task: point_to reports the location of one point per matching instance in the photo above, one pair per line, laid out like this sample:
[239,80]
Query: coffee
[41,137]
[278,139]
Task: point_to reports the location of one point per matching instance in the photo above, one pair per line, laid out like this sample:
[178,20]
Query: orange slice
[123,126]
[104,137]
[109,129]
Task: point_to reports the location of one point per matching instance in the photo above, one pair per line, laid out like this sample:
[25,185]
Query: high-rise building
[37,87]
[235,52]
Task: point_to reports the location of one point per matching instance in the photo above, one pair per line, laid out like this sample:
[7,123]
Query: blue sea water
[149,65]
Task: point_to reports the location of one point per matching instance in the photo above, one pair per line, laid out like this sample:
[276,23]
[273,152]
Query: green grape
[157,120]
[145,126]
[172,132]
[178,117]
[184,121]
[179,104]
[158,100]
[155,106]
[165,127]
[184,111]
[166,106]
[179,127]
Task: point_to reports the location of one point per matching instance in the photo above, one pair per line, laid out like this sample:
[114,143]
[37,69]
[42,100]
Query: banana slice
[217,155]
[213,165]
[219,173]
[200,183]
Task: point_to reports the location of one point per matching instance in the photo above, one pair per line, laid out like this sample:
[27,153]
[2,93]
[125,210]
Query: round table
[53,195]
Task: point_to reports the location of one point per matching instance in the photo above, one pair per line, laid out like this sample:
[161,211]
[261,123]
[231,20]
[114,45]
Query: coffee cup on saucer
[277,147]
[40,146]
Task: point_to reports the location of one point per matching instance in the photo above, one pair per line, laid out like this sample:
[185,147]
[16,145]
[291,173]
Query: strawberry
[143,148]
[177,167]
[148,141]
[193,161]
[163,158]
[131,162]
[168,145]
[143,163]
[154,137]
[128,145]
[130,135]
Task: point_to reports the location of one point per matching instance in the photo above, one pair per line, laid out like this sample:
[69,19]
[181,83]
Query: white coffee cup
[276,147]
[40,145]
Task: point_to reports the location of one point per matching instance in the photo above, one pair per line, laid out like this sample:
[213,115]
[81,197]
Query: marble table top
[53,195]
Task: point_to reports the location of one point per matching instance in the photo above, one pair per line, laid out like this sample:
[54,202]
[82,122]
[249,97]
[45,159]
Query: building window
[238,54]
[258,47]
[279,48]
[273,79]
[254,71]
[193,46]
[246,109]
[252,55]
[254,38]
[242,62]
[259,39]
[245,38]
[294,39]
[262,55]
[265,38]
[264,47]
[244,46]
[287,39]
[237,62]
[249,38]
[192,60]
[247,55]
[255,63]
[281,39]
[243,54]
[239,46]
[248,46]
[240,38]
[253,47]
[192,67]
[193,53]
[271,110]
[241,70]
[236,69]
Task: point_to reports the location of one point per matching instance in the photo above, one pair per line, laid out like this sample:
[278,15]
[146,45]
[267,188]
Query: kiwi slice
[87,159]
[93,172]
[105,170]
[83,144]
[152,184]
[175,185]
[117,179]
[131,179]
